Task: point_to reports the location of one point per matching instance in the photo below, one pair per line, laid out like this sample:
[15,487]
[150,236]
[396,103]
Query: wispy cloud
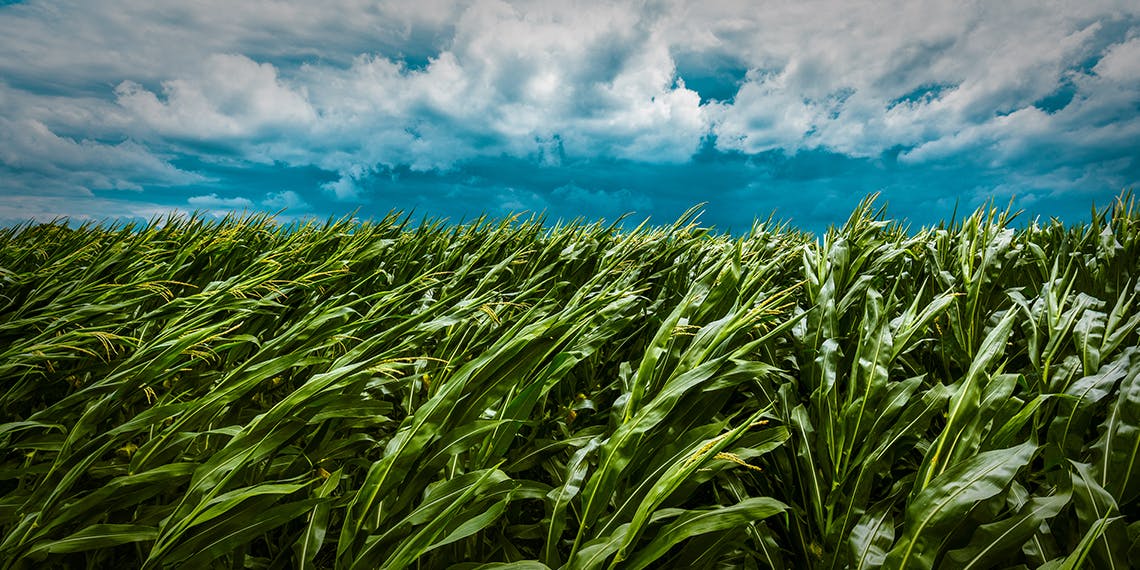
[215,201]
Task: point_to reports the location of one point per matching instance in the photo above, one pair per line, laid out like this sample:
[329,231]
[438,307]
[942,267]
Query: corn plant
[235,392]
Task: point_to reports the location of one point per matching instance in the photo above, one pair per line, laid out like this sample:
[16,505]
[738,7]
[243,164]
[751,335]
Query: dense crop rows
[240,394]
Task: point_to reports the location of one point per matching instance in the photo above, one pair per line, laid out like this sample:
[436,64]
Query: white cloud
[216,202]
[344,188]
[83,42]
[832,76]
[17,208]
[33,153]
[230,97]
[1121,63]
[368,87]
[286,199]
[512,80]
[767,115]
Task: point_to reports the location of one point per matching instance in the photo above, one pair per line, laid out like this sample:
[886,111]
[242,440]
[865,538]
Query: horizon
[871,206]
[128,110]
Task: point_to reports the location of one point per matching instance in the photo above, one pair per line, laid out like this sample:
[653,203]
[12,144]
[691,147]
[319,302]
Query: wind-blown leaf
[240,392]
[1119,444]
[215,541]
[312,540]
[960,437]
[443,505]
[96,537]
[696,523]
[1096,507]
[950,496]
[996,541]
[1080,555]
[561,496]
[472,525]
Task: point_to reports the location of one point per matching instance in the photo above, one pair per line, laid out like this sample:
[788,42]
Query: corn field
[239,393]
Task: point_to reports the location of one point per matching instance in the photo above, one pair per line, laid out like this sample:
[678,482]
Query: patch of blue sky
[1059,98]
[811,189]
[1107,34]
[715,77]
[254,182]
[923,94]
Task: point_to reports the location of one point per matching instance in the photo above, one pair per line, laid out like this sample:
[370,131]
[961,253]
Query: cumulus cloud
[844,81]
[106,94]
[537,80]
[81,44]
[231,97]
[1121,63]
[526,81]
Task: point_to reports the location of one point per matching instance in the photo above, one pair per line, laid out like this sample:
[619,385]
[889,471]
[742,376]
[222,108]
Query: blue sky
[133,108]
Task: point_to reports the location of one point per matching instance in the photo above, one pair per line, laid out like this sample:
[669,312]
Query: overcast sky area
[118,109]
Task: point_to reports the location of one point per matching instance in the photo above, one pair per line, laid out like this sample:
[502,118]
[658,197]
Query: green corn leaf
[676,474]
[1079,558]
[596,552]
[912,322]
[1118,447]
[996,541]
[560,497]
[1088,333]
[1006,434]
[949,497]
[520,565]
[960,437]
[421,542]
[872,536]
[96,537]
[695,523]
[121,493]
[307,547]
[443,496]
[471,524]
[182,379]
[1096,507]
[216,540]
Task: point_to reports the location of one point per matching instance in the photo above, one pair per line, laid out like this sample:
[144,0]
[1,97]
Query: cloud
[231,97]
[108,95]
[1121,63]
[82,43]
[33,155]
[511,80]
[857,87]
[215,201]
[21,208]
[766,115]
[540,81]
[285,200]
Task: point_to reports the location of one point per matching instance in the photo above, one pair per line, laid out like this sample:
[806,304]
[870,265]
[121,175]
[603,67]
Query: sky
[131,109]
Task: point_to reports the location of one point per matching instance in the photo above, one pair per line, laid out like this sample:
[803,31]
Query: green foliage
[236,393]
